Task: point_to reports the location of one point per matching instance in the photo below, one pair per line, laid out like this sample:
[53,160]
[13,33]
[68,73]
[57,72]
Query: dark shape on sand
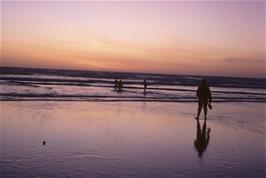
[203,138]
[204,98]
[43,142]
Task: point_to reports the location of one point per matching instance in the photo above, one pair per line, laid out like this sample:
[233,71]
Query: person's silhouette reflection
[202,139]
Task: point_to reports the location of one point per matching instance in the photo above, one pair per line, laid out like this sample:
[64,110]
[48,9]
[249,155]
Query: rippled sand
[113,139]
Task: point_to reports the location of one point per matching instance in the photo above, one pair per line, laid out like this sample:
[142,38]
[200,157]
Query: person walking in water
[120,85]
[205,98]
[145,86]
[116,84]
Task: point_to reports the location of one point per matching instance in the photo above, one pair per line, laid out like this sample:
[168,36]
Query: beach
[114,89]
[130,139]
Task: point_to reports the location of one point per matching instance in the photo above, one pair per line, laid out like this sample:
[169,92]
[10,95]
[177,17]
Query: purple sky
[204,37]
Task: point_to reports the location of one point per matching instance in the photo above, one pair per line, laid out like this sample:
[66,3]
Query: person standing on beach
[205,98]
[116,84]
[120,85]
[145,86]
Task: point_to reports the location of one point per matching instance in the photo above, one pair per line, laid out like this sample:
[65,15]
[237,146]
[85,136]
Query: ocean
[27,84]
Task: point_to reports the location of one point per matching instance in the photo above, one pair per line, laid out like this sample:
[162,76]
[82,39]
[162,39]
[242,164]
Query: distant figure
[116,84]
[43,142]
[203,138]
[120,85]
[145,86]
[204,96]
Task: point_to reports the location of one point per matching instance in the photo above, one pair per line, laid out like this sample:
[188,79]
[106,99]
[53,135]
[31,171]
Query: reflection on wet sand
[129,139]
[203,138]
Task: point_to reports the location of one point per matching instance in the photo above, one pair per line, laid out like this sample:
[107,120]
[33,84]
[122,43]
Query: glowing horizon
[200,38]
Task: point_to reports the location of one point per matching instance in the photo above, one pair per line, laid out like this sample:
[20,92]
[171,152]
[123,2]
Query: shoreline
[124,100]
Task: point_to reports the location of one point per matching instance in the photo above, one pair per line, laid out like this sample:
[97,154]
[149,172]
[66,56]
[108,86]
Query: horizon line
[156,73]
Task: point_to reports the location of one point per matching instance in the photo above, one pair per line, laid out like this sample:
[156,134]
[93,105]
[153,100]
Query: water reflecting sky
[98,139]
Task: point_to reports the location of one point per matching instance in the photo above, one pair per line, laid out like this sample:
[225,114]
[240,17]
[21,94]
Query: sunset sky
[196,37]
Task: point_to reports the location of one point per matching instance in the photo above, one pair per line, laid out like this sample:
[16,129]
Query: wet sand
[125,139]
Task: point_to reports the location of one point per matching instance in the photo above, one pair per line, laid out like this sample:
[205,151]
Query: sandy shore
[113,139]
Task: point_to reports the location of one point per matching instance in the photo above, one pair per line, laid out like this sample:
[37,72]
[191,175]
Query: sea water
[67,85]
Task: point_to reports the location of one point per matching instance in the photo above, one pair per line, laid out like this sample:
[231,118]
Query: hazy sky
[205,38]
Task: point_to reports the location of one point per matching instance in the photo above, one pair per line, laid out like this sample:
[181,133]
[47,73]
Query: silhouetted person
[202,139]
[116,84]
[204,96]
[120,85]
[145,86]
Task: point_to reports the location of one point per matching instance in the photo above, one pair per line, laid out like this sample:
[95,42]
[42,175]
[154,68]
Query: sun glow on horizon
[206,38]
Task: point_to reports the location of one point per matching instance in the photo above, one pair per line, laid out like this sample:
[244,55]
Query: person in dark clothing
[145,86]
[203,138]
[120,85]
[116,84]
[204,96]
